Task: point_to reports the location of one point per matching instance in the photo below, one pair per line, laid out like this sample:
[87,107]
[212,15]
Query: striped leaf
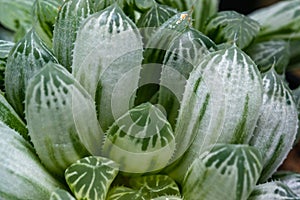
[276,128]
[26,58]
[279,21]
[232,27]
[90,177]
[141,140]
[107,57]
[44,15]
[296,95]
[57,109]
[102,4]
[145,188]
[69,18]
[291,179]
[221,103]
[273,190]
[11,118]
[61,194]
[5,47]
[229,171]
[182,56]
[270,53]
[22,174]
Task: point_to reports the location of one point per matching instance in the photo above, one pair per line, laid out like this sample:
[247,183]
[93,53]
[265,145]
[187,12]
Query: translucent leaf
[107,59]
[232,27]
[69,18]
[221,104]
[60,194]
[90,177]
[273,190]
[11,118]
[279,21]
[57,109]
[229,171]
[141,140]
[270,53]
[22,174]
[276,128]
[26,58]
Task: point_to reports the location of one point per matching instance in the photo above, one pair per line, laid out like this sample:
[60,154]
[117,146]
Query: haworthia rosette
[279,21]
[221,103]
[22,174]
[57,109]
[276,128]
[44,14]
[60,194]
[142,140]
[270,53]
[91,177]
[27,57]
[273,190]
[226,170]
[69,18]
[232,27]
[107,60]
[11,118]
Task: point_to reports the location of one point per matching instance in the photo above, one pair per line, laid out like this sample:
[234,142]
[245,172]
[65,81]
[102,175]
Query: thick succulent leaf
[141,140]
[124,193]
[291,179]
[294,60]
[6,34]
[276,128]
[270,53]
[229,171]
[16,14]
[107,57]
[296,95]
[280,20]
[26,58]
[232,27]
[22,174]
[69,18]
[57,109]
[61,194]
[182,56]
[201,9]
[5,47]
[168,198]
[91,177]
[44,15]
[273,190]
[221,103]
[11,118]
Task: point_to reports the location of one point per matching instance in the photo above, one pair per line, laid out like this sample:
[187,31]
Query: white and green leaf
[91,177]
[221,104]
[5,47]
[290,178]
[22,174]
[276,129]
[270,53]
[27,57]
[69,18]
[57,109]
[142,140]
[226,170]
[61,194]
[273,190]
[232,27]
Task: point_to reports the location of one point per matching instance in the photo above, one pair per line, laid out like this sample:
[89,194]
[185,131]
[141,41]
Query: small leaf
[233,28]
[291,179]
[124,193]
[90,177]
[279,21]
[273,190]
[270,53]
[141,140]
[26,58]
[57,109]
[22,174]
[5,47]
[229,171]
[276,128]
[69,18]
[167,198]
[60,194]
